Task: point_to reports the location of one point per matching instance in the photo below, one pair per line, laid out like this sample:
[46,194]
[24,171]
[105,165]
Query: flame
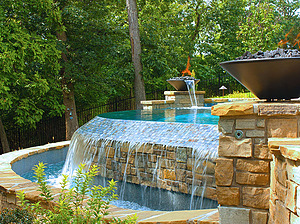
[297,40]
[186,70]
[288,33]
[286,40]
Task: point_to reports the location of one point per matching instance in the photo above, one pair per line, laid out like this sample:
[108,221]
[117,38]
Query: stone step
[204,216]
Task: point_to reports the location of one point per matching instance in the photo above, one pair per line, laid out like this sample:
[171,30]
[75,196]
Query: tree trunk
[139,88]
[3,138]
[71,119]
[70,111]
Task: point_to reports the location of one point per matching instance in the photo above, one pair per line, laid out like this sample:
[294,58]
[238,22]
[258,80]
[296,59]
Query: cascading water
[152,154]
[190,84]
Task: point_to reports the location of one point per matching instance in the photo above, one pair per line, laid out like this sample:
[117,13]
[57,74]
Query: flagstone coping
[287,147]
[11,183]
[258,107]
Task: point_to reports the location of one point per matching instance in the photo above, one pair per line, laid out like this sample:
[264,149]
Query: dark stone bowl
[180,85]
[270,78]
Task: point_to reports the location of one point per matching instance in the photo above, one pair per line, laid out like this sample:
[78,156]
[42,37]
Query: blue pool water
[195,116]
[132,199]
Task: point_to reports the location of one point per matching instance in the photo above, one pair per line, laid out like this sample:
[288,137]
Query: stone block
[255,133]
[181,155]
[210,193]
[232,109]
[257,179]
[256,197]
[145,148]
[183,187]
[228,195]
[277,109]
[291,152]
[226,125]
[282,214]
[271,212]
[290,200]
[272,176]
[183,101]
[231,147]
[245,124]
[109,152]
[190,163]
[282,128]
[262,151]
[230,215]
[181,175]
[258,141]
[11,198]
[254,166]
[171,155]
[259,217]
[280,171]
[261,123]
[210,167]
[293,171]
[169,174]
[224,172]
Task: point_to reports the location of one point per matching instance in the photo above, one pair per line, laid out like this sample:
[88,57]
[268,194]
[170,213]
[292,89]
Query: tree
[29,63]
[139,88]
[91,34]
[261,28]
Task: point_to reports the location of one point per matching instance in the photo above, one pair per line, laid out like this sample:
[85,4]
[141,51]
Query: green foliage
[237,94]
[16,216]
[97,49]
[83,203]
[167,40]
[261,28]
[28,61]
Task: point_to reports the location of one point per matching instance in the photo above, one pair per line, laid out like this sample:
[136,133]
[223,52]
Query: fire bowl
[269,78]
[179,84]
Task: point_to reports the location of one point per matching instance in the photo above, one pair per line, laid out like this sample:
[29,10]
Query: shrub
[82,203]
[16,216]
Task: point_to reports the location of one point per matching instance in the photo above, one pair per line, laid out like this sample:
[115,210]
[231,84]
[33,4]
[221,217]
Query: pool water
[136,197]
[52,173]
[195,116]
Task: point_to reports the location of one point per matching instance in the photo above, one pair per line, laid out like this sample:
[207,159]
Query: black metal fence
[212,86]
[54,130]
[46,131]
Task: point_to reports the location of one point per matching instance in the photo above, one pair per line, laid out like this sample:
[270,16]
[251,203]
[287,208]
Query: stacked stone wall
[243,167]
[166,167]
[285,183]
[174,99]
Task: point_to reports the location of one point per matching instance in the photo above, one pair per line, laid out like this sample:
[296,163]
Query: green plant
[17,216]
[82,203]
[237,94]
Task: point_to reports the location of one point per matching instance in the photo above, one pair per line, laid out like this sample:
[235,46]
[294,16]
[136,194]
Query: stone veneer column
[182,98]
[285,181]
[243,167]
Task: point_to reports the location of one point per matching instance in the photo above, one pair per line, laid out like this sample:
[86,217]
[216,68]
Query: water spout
[190,84]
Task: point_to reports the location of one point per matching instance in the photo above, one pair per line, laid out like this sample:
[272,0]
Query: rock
[228,195]
[224,172]
[231,147]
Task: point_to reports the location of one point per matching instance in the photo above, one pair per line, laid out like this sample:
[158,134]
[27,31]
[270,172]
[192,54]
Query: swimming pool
[178,115]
